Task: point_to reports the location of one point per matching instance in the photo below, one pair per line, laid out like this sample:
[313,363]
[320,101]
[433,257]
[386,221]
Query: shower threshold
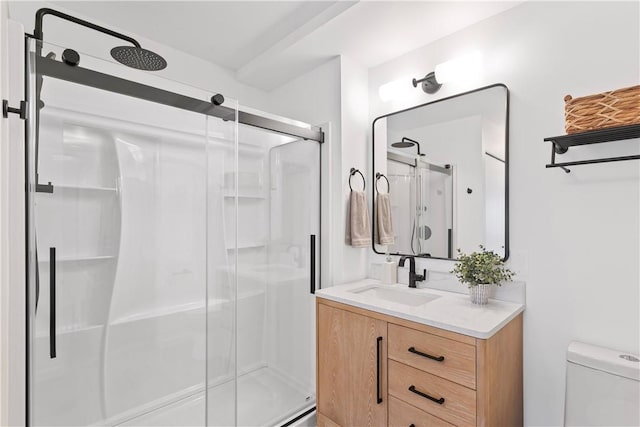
[265,398]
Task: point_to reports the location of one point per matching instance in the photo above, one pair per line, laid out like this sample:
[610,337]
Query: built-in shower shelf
[248,245]
[246,196]
[197,306]
[69,329]
[250,149]
[79,258]
[243,148]
[83,188]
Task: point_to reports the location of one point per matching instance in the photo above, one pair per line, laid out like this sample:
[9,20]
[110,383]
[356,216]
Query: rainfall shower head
[139,58]
[407,143]
[131,56]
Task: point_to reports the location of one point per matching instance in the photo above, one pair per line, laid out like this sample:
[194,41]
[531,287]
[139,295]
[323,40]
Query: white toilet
[603,387]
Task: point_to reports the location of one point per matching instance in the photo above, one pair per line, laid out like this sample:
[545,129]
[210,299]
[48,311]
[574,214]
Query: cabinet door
[352,368]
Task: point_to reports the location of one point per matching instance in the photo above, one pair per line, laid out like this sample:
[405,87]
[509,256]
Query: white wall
[12,214]
[3,256]
[355,128]
[574,237]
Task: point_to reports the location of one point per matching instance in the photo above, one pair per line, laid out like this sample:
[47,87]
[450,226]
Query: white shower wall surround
[182,266]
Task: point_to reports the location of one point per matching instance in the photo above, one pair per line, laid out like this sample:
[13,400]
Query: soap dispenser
[389,271]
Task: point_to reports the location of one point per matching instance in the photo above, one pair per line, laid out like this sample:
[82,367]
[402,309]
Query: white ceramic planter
[479,294]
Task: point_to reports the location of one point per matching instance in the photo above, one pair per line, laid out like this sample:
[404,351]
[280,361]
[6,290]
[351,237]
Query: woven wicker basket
[609,109]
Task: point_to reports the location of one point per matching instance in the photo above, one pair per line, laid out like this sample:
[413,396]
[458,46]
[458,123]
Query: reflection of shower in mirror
[455,152]
[420,191]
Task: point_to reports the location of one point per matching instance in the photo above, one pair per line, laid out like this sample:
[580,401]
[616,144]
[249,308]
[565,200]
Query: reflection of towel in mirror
[383,232]
[358,227]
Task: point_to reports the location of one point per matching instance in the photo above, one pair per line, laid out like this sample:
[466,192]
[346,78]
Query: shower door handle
[35,310]
[312,264]
[52,303]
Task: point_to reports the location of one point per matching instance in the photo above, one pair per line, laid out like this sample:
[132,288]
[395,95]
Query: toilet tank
[603,387]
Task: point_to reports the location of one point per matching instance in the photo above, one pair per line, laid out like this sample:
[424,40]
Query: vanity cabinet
[379,370]
[353,362]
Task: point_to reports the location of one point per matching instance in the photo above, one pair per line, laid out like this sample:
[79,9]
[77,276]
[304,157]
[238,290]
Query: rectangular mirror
[447,174]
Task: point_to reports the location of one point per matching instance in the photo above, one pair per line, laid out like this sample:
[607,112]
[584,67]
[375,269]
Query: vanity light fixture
[429,83]
[394,89]
[457,69]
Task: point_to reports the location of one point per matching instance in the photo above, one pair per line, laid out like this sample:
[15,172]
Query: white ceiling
[228,33]
[267,43]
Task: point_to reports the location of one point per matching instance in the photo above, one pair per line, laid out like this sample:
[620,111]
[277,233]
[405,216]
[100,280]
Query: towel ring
[378,176]
[354,171]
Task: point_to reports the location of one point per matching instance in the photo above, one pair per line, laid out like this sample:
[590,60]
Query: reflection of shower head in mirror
[402,144]
[406,143]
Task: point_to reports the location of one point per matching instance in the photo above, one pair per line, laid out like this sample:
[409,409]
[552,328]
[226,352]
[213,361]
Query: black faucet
[413,277]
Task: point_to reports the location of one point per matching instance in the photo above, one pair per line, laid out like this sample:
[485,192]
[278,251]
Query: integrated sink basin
[398,296]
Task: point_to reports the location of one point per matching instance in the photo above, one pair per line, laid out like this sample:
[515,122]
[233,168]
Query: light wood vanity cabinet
[353,363]
[379,370]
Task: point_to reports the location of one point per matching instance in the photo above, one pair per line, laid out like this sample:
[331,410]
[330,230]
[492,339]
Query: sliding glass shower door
[173,256]
[278,208]
[127,260]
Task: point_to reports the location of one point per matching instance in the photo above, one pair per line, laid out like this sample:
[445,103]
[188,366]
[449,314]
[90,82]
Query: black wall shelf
[561,144]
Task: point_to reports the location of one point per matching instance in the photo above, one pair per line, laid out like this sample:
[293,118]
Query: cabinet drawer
[446,358]
[444,399]
[401,414]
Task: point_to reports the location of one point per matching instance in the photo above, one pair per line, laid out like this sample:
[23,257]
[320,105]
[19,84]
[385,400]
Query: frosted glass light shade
[394,89]
[459,69]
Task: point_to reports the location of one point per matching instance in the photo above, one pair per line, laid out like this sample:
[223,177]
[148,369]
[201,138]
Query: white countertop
[452,311]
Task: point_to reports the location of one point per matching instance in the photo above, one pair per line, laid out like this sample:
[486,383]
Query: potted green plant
[479,270]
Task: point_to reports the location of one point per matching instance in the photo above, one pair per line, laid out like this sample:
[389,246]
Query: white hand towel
[358,226]
[384,224]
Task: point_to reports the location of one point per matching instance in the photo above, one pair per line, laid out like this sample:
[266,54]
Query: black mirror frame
[506,162]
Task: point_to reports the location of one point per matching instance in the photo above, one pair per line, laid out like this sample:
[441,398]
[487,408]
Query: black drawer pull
[412,425]
[440,401]
[428,356]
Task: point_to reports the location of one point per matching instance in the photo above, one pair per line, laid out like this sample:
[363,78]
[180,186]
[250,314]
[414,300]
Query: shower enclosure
[173,253]
[421,203]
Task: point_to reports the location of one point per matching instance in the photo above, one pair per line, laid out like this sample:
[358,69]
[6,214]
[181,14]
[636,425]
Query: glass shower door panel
[433,211]
[125,213]
[221,280]
[278,219]
[77,229]
[294,256]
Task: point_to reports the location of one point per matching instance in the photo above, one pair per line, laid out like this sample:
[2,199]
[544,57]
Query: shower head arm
[404,138]
[40,14]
